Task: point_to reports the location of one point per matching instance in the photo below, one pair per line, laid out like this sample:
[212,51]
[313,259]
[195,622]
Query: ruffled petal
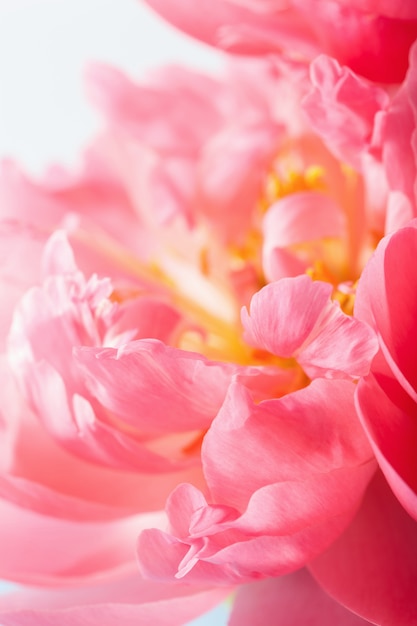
[341,108]
[295,317]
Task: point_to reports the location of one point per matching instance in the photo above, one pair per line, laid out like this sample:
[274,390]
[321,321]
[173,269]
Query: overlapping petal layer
[269,447]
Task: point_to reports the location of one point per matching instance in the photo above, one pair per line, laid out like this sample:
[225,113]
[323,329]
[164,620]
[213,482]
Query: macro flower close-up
[207,332]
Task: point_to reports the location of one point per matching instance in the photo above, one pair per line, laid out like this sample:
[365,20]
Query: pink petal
[371,44]
[232,26]
[283,314]
[405,10]
[298,218]
[20,261]
[81,489]
[232,170]
[126,601]
[341,108]
[375,43]
[289,458]
[388,415]
[91,198]
[272,441]
[147,317]
[372,567]
[154,387]
[140,110]
[295,317]
[399,211]
[222,548]
[41,550]
[397,126]
[386,299]
[292,600]
[58,256]
[302,216]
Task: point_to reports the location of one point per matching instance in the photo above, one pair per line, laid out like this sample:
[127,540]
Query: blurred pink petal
[82,550]
[373,38]
[398,136]
[127,600]
[295,219]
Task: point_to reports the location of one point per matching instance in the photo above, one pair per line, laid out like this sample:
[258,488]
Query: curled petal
[298,218]
[295,317]
[292,599]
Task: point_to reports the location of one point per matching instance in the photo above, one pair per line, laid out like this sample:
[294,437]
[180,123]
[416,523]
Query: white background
[45,46]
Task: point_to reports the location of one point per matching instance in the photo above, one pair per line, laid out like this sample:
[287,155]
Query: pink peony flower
[373,38]
[181,330]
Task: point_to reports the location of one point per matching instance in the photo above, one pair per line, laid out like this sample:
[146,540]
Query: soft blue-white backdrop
[44,48]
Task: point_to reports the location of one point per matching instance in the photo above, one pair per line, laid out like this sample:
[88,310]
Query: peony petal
[291,600]
[372,567]
[283,314]
[399,212]
[154,387]
[375,43]
[109,487]
[296,219]
[232,170]
[234,27]
[271,441]
[404,10]
[388,415]
[258,457]
[300,217]
[341,108]
[295,317]
[386,299]
[40,550]
[140,110]
[126,601]
[20,261]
